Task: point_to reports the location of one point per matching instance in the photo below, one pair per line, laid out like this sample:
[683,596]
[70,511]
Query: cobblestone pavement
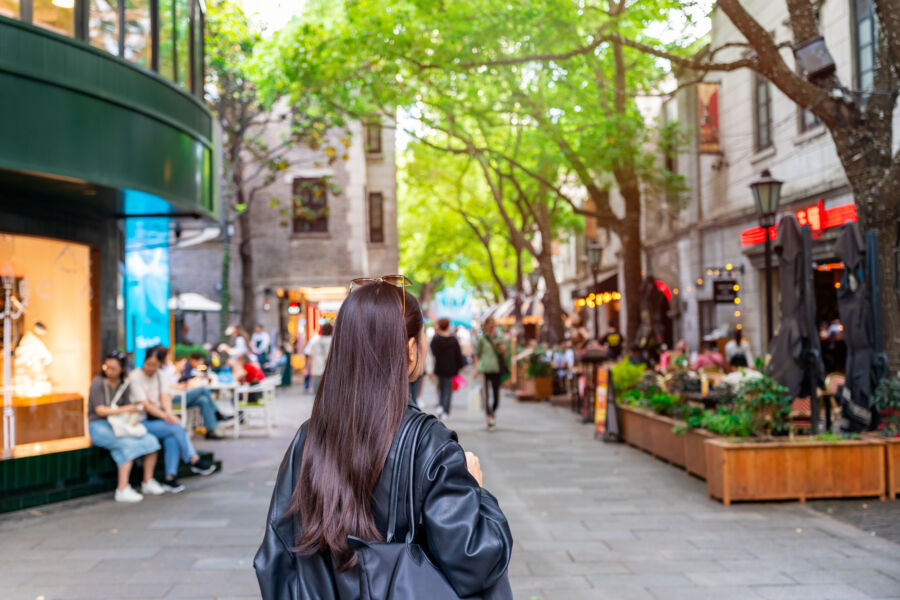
[590,521]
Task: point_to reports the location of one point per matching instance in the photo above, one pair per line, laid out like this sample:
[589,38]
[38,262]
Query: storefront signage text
[816,216]
[725,291]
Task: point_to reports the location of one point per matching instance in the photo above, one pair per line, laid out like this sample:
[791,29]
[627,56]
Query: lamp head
[766,195]
[595,255]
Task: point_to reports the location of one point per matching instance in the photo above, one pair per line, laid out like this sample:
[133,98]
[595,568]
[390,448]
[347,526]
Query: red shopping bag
[459,382]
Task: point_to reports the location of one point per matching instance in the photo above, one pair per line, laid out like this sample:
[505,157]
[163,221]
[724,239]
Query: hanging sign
[601,394]
[708,100]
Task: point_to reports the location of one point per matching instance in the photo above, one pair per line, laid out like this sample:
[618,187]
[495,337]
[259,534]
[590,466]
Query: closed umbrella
[796,361]
[858,303]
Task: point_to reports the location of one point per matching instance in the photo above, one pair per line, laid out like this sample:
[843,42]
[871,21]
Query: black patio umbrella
[796,360]
[859,307]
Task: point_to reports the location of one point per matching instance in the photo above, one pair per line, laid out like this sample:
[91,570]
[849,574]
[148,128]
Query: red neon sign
[661,286]
[816,216]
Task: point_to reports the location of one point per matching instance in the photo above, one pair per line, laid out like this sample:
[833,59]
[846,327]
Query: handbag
[124,424]
[504,368]
[402,570]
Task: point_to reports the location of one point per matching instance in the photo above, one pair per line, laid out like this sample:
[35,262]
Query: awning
[193,302]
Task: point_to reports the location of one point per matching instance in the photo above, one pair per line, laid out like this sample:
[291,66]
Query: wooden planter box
[653,433]
[892,462]
[543,388]
[892,452]
[695,451]
[794,470]
[535,388]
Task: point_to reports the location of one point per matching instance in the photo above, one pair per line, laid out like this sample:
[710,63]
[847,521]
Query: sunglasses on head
[400,281]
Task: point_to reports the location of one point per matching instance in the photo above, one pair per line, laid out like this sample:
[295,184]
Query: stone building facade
[711,237]
[346,228]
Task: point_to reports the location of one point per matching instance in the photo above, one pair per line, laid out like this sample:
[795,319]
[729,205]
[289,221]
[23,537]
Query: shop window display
[46,349]
[9,8]
[56,15]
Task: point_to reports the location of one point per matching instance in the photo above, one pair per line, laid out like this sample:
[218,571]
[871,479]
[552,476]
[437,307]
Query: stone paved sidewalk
[590,520]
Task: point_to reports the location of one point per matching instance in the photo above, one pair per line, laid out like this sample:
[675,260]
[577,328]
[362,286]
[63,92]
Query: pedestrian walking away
[448,360]
[149,387]
[490,362]
[109,397]
[339,478]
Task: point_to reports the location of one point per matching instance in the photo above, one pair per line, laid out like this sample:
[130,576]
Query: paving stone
[810,592]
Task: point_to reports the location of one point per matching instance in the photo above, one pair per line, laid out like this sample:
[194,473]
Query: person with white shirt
[150,387]
[261,344]
[317,350]
[738,346]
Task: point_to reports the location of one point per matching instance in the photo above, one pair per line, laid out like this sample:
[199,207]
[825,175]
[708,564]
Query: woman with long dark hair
[336,478]
[109,395]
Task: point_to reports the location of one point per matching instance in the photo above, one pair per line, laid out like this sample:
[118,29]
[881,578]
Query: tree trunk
[225,293]
[630,236]
[248,292]
[520,290]
[553,314]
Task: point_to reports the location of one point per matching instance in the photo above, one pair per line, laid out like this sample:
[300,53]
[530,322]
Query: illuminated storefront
[96,151]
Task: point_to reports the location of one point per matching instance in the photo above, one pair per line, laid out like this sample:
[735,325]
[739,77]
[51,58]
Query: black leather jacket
[463,529]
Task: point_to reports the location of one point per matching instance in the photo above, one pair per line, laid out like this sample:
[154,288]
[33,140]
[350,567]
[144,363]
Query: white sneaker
[440,410]
[444,416]
[128,495]
[152,488]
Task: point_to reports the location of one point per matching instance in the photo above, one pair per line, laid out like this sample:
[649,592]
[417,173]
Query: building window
[166,51]
[182,43]
[58,16]
[708,320]
[373,138]
[866,39]
[376,217]
[808,120]
[762,106]
[103,25]
[310,206]
[136,41]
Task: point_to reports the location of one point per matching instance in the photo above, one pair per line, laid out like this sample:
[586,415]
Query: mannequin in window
[32,358]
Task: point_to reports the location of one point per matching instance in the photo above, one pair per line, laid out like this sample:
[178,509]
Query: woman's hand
[474,467]
[171,419]
[137,407]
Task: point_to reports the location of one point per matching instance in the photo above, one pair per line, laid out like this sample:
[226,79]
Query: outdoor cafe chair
[264,405]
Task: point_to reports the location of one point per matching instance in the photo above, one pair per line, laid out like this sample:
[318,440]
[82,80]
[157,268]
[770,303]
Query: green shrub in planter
[626,376]
[768,404]
[539,363]
[184,351]
[886,400]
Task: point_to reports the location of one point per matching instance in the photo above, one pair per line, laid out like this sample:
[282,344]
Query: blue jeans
[123,448]
[175,442]
[200,396]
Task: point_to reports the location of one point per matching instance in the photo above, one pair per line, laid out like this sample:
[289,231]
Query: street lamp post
[595,257]
[766,195]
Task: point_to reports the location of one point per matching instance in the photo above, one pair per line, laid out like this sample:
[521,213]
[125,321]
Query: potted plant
[886,401]
[540,372]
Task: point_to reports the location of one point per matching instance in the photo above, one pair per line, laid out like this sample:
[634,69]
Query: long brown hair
[356,414]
